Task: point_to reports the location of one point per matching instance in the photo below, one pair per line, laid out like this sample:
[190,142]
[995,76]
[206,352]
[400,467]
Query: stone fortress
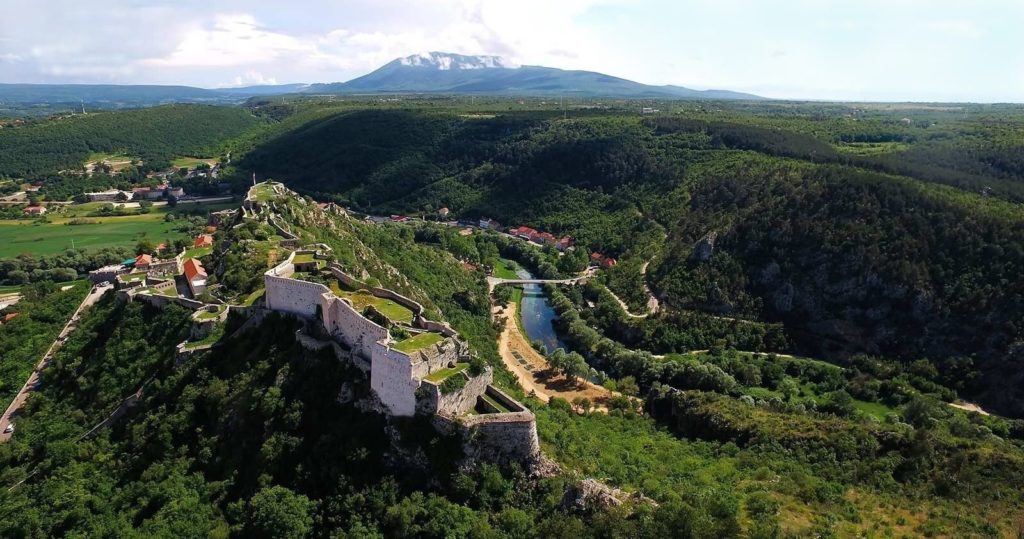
[416,366]
[411,360]
[407,373]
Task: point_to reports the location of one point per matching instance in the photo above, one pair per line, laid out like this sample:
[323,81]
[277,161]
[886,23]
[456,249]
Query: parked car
[9,429]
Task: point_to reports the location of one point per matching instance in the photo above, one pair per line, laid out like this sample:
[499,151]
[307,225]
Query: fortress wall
[162,302]
[443,329]
[343,322]
[166,285]
[416,308]
[292,296]
[436,357]
[345,278]
[462,401]
[505,436]
[391,379]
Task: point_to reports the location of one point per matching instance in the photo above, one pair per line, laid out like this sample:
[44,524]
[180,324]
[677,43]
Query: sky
[873,50]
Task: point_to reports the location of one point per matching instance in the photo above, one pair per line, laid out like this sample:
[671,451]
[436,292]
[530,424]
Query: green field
[505,269]
[18,237]
[192,162]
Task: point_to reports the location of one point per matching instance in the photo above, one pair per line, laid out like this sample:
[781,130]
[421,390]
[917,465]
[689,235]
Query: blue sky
[916,50]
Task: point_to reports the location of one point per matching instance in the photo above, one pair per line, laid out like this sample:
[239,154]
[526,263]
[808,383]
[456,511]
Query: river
[537,315]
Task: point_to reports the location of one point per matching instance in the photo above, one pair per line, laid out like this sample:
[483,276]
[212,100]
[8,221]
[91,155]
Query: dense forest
[828,221]
[153,136]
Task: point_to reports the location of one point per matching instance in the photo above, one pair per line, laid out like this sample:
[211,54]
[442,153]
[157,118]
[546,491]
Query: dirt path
[540,380]
[969,407]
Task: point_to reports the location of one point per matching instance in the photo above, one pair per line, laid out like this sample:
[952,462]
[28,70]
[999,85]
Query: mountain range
[429,73]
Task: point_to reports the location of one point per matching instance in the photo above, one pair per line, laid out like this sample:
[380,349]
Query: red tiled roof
[10,316]
[143,260]
[193,269]
[203,240]
[34,209]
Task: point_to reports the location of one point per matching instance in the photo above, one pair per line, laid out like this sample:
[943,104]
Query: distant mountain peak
[446,61]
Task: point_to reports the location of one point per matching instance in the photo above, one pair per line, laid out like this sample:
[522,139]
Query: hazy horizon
[897,50]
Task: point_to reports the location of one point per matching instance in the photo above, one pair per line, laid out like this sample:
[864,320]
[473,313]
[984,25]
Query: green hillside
[154,135]
[908,251]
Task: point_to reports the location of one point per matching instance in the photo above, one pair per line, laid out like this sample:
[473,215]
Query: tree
[789,388]
[628,386]
[278,512]
[145,246]
[145,206]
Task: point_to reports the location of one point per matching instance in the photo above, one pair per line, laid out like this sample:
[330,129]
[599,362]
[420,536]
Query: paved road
[33,379]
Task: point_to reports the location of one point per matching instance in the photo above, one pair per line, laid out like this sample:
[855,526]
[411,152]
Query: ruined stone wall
[392,380]
[439,356]
[443,329]
[462,401]
[506,436]
[416,308]
[162,302]
[165,267]
[343,322]
[345,278]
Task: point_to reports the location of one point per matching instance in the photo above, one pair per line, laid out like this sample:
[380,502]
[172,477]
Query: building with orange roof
[195,274]
[143,261]
[203,240]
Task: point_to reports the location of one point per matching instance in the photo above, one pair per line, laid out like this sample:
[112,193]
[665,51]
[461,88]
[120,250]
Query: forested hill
[899,237]
[154,135]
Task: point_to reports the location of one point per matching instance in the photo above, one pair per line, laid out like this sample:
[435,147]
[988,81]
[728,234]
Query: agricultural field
[193,162]
[47,238]
[116,162]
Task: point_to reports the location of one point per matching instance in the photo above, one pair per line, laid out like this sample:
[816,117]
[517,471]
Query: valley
[765,320]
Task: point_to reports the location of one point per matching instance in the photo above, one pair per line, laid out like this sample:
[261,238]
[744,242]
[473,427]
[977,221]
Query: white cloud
[231,40]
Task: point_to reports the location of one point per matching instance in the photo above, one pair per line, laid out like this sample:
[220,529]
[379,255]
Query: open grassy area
[251,298]
[51,238]
[418,342]
[13,289]
[197,252]
[117,162]
[207,315]
[395,311]
[192,162]
[871,148]
[39,239]
[441,375]
[497,405]
[303,258]
[505,269]
[262,192]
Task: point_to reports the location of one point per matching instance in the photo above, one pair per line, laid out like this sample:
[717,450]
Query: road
[33,379]
[495,281]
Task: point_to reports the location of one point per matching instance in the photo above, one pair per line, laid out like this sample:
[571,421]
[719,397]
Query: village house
[443,212]
[203,240]
[564,243]
[34,210]
[143,261]
[176,192]
[195,275]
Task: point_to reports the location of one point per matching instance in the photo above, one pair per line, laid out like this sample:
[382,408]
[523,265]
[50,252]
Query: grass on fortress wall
[417,342]
[395,311]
